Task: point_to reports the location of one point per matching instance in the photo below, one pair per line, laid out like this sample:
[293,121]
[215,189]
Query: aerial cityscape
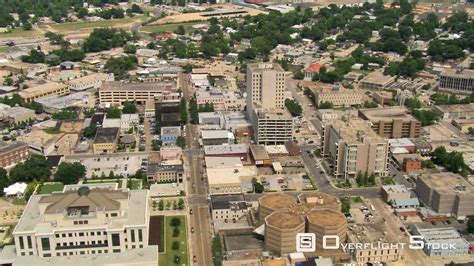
[236,133]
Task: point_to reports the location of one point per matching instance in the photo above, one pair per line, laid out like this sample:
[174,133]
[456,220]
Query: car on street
[195,259]
[191,211]
[192,229]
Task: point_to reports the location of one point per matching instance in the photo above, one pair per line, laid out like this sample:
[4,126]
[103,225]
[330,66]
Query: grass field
[168,257]
[170,27]
[18,32]
[74,26]
[135,184]
[48,188]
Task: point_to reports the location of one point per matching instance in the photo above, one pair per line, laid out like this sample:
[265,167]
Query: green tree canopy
[69,173]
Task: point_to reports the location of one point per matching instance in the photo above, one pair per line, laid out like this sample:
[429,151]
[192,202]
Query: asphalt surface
[199,215]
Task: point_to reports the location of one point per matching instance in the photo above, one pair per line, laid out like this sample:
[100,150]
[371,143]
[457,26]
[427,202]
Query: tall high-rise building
[271,122]
[266,85]
[351,146]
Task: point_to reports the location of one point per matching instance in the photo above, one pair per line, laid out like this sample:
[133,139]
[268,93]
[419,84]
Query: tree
[161,205]
[113,112]
[106,38]
[181,142]
[119,66]
[180,30]
[35,167]
[176,231]
[293,107]
[217,250]
[130,49]
[258,187]
[426,117]
[345,204]
[177,259]
[183,111]
[69,173]
[129,108]
[4,182]
[298,74]
[27,26]
[413,103]
[89,132]
[370,105]
[65,115]
[175,222]
[34,57]
[428,164]
[175,245]
[470,225]
[325,105]
[180,204]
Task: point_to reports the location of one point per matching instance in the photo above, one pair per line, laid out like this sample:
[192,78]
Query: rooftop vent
[83,191]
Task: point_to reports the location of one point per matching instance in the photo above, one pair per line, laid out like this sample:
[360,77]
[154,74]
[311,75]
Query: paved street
[196,191]
[323,183]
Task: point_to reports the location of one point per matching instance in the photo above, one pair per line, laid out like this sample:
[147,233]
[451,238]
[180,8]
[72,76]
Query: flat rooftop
[389,114]
[315,199]
[6,147]
[442,235]
[456,108]
[225,149]
[106,135]
[273,114]
[260,67]
[284,220]
[326,217]
[171,131]
[277,201]
[395,189]
[139,86]
[259,152]
[349,130]
[458,73]
[448,183]
[222,162]
[214,134]
[377,77]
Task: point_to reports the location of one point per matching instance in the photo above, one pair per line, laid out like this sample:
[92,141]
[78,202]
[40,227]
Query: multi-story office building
[377,80]
[93,81]
[393,122]
[12,153]
[105,140]
[446,193]
[271,122]
[350,146]
[272,126]
[120,92]
[266,85]
[163,173]
[86,220]
[43,90]
[457,81]
[337,96]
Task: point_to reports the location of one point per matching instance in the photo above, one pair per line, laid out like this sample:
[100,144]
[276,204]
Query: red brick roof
[313,68]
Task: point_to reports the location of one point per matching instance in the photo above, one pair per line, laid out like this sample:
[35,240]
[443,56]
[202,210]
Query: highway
[199,220]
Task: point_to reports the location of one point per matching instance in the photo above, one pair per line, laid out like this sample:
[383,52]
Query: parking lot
[285,182]
[166,190]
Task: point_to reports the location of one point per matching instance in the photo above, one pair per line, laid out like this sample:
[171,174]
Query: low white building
[15,190]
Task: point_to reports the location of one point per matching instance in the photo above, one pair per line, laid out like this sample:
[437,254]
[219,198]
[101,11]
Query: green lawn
[48,188]
[167,258]
[170,27]
[95,181]
[73,26]
[135,184]
[19,32]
